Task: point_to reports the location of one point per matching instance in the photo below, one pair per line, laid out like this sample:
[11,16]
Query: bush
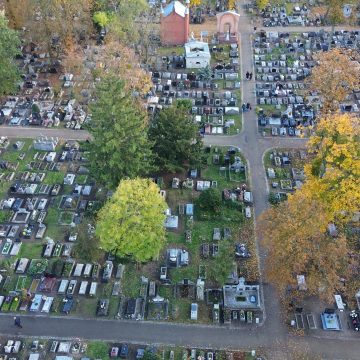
[209,200]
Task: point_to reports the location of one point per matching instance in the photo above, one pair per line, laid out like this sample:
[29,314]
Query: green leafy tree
[175,138]
[132,221]
[124,17]
[205,73]
[120,148]
[101,19]
[9,48]
[209,200]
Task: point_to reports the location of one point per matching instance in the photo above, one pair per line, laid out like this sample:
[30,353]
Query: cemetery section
[283,61]
[207,273]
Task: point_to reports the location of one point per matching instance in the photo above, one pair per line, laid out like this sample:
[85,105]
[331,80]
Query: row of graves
[39,102]
[48,194]
[282,63]
[69,349]
[213,89]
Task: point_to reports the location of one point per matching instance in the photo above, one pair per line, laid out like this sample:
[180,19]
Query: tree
[9,48]
[334,11]
[262,4]
[17,12]
[120,61]
[195,2]
[209,200]
[231,4]
[333,174]
[59,24]
[123,18]
[87,244]
[120,147]
[334,78]
[294,234]
[132,221]
[175,138]
[101,18]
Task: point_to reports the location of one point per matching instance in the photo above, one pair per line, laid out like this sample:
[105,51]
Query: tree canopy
[334,78]
[333,174]
[295,232]
[9,48]
[175,138]
[132,221]
[120,148]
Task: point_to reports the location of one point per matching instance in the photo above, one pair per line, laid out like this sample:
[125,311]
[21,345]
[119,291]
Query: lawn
[98,350]
[30,250]
[54,177]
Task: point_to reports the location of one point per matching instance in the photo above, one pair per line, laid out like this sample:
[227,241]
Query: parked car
[114,351]
[124,351]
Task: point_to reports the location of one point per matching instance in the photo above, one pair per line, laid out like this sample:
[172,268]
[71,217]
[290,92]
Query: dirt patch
[209,25]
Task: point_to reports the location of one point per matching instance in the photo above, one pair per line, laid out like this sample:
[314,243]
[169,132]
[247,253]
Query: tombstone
[200,287]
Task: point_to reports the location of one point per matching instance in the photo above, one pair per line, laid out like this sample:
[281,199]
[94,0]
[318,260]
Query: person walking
[248,106]
[250,76]
[247,75]
[17,322]
[243,107]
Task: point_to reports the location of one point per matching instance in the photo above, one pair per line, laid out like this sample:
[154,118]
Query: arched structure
[227,26]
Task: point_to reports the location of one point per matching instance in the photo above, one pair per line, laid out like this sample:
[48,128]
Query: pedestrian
[248,106]
[254,29]
[243,107]
[250,76]
[247,75]
[17,322]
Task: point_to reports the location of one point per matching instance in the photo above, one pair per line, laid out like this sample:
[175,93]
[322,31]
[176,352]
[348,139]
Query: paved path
[33,132]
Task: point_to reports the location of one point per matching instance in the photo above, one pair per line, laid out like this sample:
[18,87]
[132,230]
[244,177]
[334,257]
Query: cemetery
[185,273]
[41,217]
[283,61]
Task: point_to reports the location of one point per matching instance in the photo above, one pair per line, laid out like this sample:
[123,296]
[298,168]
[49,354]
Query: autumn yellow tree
[333,176]
[294,234]
[195,2]
[232,4]
[122,62]
[262,4]
[334,78]
[59,24]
